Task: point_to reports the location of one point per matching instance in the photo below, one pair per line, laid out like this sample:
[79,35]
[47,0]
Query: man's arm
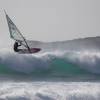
[19,44]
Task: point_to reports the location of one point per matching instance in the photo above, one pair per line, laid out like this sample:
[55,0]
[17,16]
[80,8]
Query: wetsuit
[16,45]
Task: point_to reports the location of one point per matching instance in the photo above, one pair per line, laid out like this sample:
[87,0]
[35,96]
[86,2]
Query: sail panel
[14,32]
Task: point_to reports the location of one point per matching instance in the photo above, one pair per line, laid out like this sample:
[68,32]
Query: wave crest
[52,61]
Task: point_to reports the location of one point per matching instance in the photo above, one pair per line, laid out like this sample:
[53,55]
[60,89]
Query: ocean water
[61,71]
[51,65]
[41,90]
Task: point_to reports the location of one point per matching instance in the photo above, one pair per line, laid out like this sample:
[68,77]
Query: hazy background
[50,20]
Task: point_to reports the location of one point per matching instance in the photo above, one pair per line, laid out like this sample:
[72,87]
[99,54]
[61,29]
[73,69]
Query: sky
[50,20]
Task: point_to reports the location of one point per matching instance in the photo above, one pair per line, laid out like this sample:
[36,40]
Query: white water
[88,60]
[49,90]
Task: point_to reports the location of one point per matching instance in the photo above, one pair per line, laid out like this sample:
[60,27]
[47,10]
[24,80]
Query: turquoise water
[57,68]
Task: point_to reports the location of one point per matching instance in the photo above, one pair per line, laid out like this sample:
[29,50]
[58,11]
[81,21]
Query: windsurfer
[16,45]
[20,40]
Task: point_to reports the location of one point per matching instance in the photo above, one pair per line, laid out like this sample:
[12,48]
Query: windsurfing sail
[15,33]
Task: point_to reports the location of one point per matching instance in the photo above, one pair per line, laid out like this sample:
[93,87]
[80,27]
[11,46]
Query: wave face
[76,58]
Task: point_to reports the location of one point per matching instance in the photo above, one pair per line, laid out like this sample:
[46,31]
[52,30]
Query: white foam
[50,91]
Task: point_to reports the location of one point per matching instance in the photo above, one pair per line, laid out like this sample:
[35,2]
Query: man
[16,45]
[32,50]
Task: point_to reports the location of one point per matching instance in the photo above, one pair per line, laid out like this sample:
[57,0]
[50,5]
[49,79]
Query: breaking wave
[50,64]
